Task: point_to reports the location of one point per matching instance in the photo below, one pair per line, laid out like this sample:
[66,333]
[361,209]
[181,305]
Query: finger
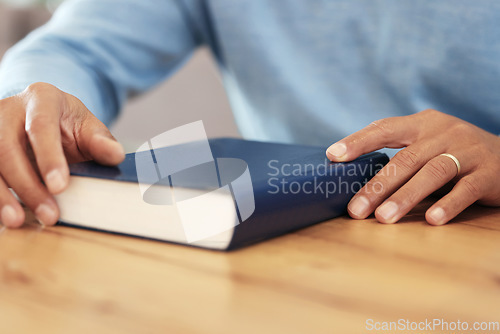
[43,114]
[394,132]
[96,142]
[435,174]
[20,176]
[397,172]
[11,212]
[467,191]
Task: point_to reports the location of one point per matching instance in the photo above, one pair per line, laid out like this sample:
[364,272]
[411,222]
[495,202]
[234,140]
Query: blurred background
[194,93]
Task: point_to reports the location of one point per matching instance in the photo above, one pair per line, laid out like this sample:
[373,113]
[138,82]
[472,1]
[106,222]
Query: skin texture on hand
[419,169]
[43,129]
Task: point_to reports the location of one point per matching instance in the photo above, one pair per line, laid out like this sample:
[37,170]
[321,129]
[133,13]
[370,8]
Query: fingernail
[46,214]
[438,216]
[359,207]
[388,211]
[337,150]
[9,216]
[55,181]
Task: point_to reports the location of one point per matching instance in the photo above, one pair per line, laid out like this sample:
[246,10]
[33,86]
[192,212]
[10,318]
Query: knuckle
[471,186]
[39,88]
[31,191]
[383,127]
[428,112]
[7,102]
[407,196]
[407,159]
[8,106]
[431,115]
[37,124]
[375,186]
[461,129]
[438,169]
[32,195]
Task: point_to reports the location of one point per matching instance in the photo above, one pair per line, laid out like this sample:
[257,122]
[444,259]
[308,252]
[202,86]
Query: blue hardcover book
[236,193]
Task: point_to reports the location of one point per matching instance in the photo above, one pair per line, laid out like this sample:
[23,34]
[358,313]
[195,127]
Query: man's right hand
[43,129]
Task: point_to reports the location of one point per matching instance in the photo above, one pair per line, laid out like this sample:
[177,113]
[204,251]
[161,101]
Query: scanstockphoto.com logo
[210,195]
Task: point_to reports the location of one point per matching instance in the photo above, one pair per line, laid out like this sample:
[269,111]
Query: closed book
[242,192]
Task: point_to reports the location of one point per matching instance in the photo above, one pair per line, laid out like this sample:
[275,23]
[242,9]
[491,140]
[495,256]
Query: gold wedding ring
[455,160]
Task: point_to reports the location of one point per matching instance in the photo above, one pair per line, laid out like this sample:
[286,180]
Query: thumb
[97,143]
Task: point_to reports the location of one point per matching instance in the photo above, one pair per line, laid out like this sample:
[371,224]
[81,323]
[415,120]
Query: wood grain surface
[329,278]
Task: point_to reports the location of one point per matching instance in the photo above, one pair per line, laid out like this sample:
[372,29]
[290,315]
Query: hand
[42,130]
[419,170]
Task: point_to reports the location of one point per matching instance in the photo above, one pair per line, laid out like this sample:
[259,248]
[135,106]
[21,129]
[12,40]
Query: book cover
[291,187]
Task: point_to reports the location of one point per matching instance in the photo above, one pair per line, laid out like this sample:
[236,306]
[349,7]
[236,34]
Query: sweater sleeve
[102,51]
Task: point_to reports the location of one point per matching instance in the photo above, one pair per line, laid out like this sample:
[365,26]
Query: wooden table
[329,278]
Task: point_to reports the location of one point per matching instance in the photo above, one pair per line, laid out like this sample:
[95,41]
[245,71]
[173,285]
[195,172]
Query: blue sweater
[308,71]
